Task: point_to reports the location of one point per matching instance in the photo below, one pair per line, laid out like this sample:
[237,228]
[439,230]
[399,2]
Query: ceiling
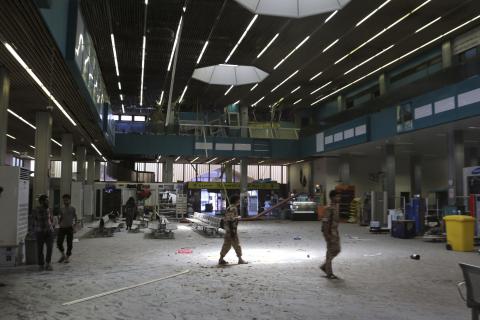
[222,22]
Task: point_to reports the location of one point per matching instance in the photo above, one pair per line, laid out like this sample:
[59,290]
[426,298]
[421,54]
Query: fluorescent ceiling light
[382,31]
[38,82]
[56,142]
[183,94]
[398,59]
[299,161]
[178,158]
[291,52]
[330,45]
[331,16]
[298,101]
[184,9]
[202,52]
[143,69]
[210,161]
[29,157]
[253,88]
[15,151]
[258,101]
[11,137]
[369,59]
[261,162]
[21,119]
[96,149]
[268,45]
[104,159]
[316,76]
[428,25]
[123,108]
[119,86]
[112,37]
[226,92]
[296,89]
[372,13]
[175,44]
[288,78]
[316,90]
[161,98]
[146,2]
[194,160]
[121,97]
[34,147]
[236,102]
[241,38]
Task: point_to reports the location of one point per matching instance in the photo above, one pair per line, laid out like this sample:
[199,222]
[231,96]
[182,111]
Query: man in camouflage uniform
[330,232]
[231,235]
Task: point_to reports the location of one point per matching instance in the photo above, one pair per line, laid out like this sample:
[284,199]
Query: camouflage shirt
[231,219]
[330,222]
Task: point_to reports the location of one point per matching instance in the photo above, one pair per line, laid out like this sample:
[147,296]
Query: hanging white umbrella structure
[292,8]
[229,74]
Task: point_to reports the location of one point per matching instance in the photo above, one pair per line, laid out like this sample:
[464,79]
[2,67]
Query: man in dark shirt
[43,222]
[67,221]
[330,231]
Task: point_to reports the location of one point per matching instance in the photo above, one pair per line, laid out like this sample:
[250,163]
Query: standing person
[330,232]
[231,236]
[130,210]
[67,220]
[43,224]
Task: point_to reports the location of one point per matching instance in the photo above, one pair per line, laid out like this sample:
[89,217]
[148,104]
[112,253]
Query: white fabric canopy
[292,8]
[229,74]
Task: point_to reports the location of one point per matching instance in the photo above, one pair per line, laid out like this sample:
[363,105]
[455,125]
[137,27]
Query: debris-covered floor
[282,281]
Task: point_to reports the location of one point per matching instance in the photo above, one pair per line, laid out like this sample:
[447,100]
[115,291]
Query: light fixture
[296,89]
[123,108]
[316,76]
[236,102]
[330,16]
[226,92]
[96,149]
[158,159]
[161,98]
[428,25]
[298,101]
[29,157]
[121,97]
[382,31]
[261,162]
[258,101]
[38,82]
[15,151]
[372,13]
[253,88]
[184,9]
[11,137]
[288,78]
[31,146]
[316,90]
[330,45]
[119,86]
[21,119]
[202,52]
[178,158]
[143,69]
[112,37]
[210,161]
[397,59]
[241,38]
[183,94]
[369,59]
[175,44]
[268,45]
[291,52]
[56,142]
[104,159]
[194,160]
[299,161]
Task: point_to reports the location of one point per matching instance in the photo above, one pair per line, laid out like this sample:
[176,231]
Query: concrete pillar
[81,158]
[447,54]
[91,169]
[341,103]
[66,157]
[4,97]
[228,173]
[344,170]
[168,170]
[456,162]
[471,157]
[97,171]
[43,134]
[383,83]
[415,175]
[390,168]
[243,188]
[244,121]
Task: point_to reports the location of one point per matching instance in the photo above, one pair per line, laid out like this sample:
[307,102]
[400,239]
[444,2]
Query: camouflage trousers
[231,240]
[333,249]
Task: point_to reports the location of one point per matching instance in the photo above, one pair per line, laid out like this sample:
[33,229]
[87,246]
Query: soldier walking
[231,235]
[330,232]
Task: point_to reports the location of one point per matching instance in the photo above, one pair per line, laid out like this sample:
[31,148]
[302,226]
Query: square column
[456,162]
[243,188]
[390,168]
[66,157]
[168,170]
[90,169]
[43,134]
[81,158]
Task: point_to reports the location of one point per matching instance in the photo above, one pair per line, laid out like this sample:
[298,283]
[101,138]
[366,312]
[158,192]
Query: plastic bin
[460,232]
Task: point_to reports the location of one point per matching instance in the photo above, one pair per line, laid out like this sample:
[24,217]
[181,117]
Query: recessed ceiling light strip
[316,76]
[281,83]
[21,119]
[226,92]
[11,137]
[258,101]
[253,88]
[183,94]
[241,38]
[268,45]
[330,45]
[175,44]
[96,149]
[372,13]
[369,59]
[428,24]
[331,16]
[298,101]
[325,85]
[296,89]
[202,52]
[112,38]
[291,52]
[144,46]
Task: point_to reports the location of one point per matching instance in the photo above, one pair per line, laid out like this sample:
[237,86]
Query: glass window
[284,175]
[152,167]
[203,172]
[252,172]
[160,172]
[116,117]
[139,118]
[236,173]
[216,172]
[264,172]
[190,172]
[178,172]
[55,169]
[125,118]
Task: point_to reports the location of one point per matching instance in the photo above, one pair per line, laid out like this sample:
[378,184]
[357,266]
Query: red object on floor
[184,251]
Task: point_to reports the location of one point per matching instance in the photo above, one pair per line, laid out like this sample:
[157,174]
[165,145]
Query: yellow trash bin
[460,232]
